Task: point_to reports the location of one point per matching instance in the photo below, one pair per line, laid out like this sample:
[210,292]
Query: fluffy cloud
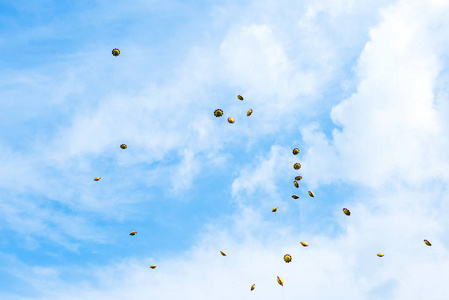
[391,129]
[391,141]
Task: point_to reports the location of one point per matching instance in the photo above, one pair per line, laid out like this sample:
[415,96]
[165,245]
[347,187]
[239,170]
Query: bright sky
[360,87]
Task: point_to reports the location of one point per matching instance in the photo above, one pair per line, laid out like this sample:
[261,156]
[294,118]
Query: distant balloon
[380,254]
[115,52]
[152,266]
[123,146]
[97,178]
[240,97]
[280,281]
[222,253]
[218,113]
[133,233]
[249,112]
[298,178]
[287,258]
[346,211]
[304,244]
[295,151]
[274,209]
[297,166]
[231,120]
[296,184]
[311,194]
[253,287]
[428,243]
[295,197]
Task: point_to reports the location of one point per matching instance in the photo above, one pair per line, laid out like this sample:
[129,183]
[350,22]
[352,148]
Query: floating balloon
[296,184]
[380,254]
[123,146]
[240,97]
[287,258]
[304,244]
[297,166]
[275,209]
[133,233]
[97,178]
[295,151]
[249,112]
[218,113]
[152,266]
[115,52]
[346,211]
[298,178]
[280,281]
[231,120]
[253,287]
[428,243]
[311,194]
[222,253]
[295,197]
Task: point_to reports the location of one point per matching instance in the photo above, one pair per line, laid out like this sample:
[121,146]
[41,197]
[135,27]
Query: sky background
[360,87]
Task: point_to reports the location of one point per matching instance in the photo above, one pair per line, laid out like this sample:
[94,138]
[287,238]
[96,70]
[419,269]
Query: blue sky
[359,88]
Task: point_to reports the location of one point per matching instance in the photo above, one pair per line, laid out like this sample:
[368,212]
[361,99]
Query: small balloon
[280,281]
[218,113]
[115,52]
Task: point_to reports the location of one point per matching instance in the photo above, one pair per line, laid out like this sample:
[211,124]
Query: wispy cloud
[386,145]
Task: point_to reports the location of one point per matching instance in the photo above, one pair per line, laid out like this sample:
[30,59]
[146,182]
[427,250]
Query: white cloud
[390,127]
[391,134]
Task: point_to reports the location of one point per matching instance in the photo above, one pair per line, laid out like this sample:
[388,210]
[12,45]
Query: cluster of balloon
[116,52]
[296,166]
[219,112]
[287,257]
